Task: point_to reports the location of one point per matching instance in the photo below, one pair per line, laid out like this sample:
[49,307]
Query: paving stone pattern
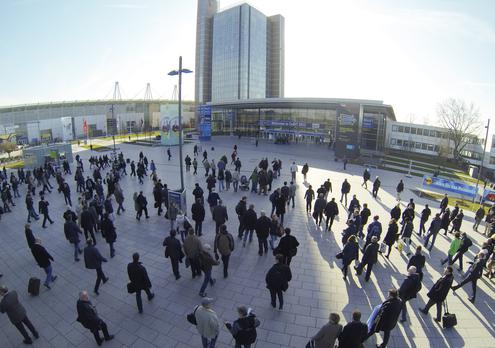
[316,289]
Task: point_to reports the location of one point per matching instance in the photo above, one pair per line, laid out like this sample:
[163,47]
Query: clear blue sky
[410,54]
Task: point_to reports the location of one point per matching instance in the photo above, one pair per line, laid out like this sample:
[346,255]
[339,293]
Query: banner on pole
[169,124]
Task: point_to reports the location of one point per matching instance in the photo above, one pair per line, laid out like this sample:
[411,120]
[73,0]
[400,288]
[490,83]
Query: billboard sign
[169,124]
[67,134]
[205,122]
[488,196]
[449,185]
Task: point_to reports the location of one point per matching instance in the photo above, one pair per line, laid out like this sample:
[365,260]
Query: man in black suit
[43,259]
[173,250]
[43,209]
[387,317]
[438,293]
[409,289]
[139,280]
[474,273]
[370,257]
[277,280]
[417,260]
[354,333]
[17,313]
[88,317]
[93,260]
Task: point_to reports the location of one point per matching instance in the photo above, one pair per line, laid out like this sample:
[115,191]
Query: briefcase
[34,286]
[448,319]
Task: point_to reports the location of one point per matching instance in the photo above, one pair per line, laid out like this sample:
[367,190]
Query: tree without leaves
[8,147]
[462,122]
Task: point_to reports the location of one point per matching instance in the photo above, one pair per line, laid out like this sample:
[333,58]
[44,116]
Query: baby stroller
[244,183]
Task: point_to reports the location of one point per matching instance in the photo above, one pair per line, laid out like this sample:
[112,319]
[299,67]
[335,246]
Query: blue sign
[368,122]
[489,196]
[448,185]
[205,122]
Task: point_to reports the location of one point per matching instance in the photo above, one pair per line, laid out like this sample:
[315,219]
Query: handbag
[448,319]
[191,317]
[400,245]
[339,256]
[130,288]
[383,248]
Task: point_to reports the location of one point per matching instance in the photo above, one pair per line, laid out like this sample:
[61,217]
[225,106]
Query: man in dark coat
[370,257]
[444,204]
[425,215]
[287,246]
[173,250]
[142,203]
[198,215]
[219,215]
[43,209]
[433,231]
[240,210]
[108,232]
[438,293]
[354,333]
[376,186]
[139,280]
[466,243]
[17,313]
[445,221]
[29,235]
[331,210]
[43,258]
[344,190]
[72,232]
[474,273]
[87,223]
[88,317]
[93,260]
[399,189]
[249,221]
[387,317]
[277,280]
[418,260]
[395,213]
[349,253]
[409,289]
[262,227]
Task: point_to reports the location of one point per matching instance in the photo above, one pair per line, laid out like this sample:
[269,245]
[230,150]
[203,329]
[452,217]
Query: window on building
[492,160]
[433,133]
[436,148]
[413,130]
[405,143]
[423,146]
[418,146]
[430,147]
[393,141]
[419,131]
[407,129]
[401,129]
[399,142]
[395,128]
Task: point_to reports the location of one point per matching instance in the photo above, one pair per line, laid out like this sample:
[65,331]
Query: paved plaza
[316,288]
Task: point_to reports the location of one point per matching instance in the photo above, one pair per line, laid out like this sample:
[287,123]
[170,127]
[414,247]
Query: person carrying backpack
[244,329]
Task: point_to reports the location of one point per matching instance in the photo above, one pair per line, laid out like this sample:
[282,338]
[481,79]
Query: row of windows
[431,133]
[414,145]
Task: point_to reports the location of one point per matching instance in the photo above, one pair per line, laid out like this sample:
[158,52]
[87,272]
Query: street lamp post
[173,73]
[482,159]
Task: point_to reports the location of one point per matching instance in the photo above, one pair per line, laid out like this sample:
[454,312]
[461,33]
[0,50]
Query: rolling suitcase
[448,319]
[34,286]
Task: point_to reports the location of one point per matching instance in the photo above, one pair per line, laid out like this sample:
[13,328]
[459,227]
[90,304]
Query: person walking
[213,200]
[370,257]
[376,186]
[30,208]
[466,243]
[292,193]
[17,314]
[142,203]
[93,260]
[287,246]
[328,334]
[344,190]
[119,198]
[87,223]
[399,189]
[418,260]
[244,329]
[472,275]
[425,215]
[277,280]
[438,293]
[309,196]
[192,247]
[240,210]
[457,222]
[480,214]
[249,221]
[331,211]
[445,221]
[173,250]
[108,232]
[349,254]
[444,203]
[409,289]
[433,231]
[318,208]
[293,171]
[139,280]
[29,236]
[454,247]
[262,227]
[207,323]
[392,236]
[366,177]
[354,332]
[224,244]
[220,216]
[387,317]
[43,209]
[304,171]
[72,232]
[280,204]
[89,318]
[43,259]
[406,235]
[374,230]
[207,262]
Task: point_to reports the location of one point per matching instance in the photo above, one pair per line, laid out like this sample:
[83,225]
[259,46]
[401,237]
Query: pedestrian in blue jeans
[43,259]
[207,323]
[207,262]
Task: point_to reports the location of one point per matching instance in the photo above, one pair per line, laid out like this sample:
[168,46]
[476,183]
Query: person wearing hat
[474,273]
[244,329]
[207,262]
[207,323]
[17,313]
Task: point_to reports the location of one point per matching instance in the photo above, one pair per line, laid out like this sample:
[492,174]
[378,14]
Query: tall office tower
[275,56]
[239,54]
[204,37]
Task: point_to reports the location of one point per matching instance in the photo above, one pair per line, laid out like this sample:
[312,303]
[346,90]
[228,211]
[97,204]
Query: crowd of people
[93,213]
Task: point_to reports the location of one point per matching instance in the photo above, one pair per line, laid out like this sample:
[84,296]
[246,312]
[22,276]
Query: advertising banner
[67,134]
[449,185]
[169,124]
[347,135]
[205,122]
[489,196]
